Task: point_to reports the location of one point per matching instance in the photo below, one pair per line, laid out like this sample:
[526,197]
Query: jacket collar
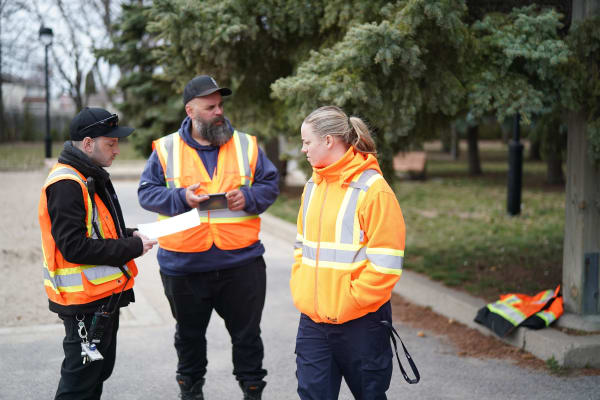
[344,169]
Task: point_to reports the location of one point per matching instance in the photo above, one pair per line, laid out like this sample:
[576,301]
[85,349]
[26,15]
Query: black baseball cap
[94,122]
[202,85]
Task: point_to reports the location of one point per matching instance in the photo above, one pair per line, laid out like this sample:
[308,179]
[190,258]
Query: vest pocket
[101,285]
[234,236]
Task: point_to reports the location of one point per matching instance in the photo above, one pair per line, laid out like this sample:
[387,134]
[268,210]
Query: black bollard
[515,170]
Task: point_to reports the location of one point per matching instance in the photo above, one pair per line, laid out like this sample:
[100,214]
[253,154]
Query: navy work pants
[238,296]
[358,350]
[80,381]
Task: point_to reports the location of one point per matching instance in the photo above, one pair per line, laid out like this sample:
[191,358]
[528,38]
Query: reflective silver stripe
[547,316]
[509,313]
[307,195]
[63,280]
[244,144]
[353,252]
[335,255]
[100,272]
[386,261]
[347,233]
[226,214]
[168,143]
[169,175]
[94,235]
[97,272]
[92,272]
[548,294]
[68,171]
[512,299]
[64,171]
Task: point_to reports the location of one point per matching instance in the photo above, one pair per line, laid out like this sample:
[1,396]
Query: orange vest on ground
[236,165]
[67,283]
[513,310]
[349,248]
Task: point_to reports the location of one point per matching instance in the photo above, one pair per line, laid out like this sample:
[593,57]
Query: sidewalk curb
[568,350]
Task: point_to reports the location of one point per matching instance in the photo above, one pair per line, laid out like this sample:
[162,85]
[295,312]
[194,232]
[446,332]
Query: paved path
[30,357]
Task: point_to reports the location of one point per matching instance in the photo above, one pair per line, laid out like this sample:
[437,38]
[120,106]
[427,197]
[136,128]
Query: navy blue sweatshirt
[155,196]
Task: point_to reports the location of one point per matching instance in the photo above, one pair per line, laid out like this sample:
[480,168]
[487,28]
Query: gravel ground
[22,299]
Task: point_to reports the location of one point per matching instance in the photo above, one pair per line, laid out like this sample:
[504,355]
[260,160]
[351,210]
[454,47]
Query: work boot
[190,390]
[253,390]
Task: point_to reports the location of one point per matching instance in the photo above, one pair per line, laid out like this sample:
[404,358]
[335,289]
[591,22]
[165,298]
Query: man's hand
[236,200]
[147,243]
[192,198]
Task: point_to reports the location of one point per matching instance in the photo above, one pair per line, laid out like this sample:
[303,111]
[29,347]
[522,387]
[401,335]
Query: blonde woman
[348,257]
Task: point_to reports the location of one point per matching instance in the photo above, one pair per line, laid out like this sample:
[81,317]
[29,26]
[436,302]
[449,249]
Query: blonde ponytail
[364,142]
[331,120]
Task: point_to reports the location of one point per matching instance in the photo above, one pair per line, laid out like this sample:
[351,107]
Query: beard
[216,135]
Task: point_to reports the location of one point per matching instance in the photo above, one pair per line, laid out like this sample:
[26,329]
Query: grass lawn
[24,156]
[458,230]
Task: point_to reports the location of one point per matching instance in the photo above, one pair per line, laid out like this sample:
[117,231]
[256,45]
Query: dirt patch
[468,341]
[23,301]
[513,277]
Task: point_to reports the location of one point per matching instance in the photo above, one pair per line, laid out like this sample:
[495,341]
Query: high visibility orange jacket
[236,165]
[69,283]
[350,242]
[513,310]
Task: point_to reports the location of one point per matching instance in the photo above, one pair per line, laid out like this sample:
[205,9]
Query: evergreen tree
[401,71]
[420,64]
[150,102]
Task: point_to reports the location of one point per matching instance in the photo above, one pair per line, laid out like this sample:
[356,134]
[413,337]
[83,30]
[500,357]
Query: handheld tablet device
[216,201]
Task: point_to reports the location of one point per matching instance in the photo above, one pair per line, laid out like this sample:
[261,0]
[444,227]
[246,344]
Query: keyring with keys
[81,327]
[89,352]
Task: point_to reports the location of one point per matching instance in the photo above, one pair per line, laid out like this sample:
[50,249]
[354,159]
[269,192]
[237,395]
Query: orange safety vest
[67,283]
[349,249]
[236,165]
[513,310]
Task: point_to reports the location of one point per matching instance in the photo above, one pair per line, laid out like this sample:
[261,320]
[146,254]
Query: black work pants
[238,296]
[80,381]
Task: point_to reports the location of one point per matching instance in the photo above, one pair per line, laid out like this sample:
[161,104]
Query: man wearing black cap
[88,253]
[217,265]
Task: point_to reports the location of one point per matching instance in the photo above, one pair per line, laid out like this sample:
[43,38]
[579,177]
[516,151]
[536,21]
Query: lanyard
[408,357]
[91,192]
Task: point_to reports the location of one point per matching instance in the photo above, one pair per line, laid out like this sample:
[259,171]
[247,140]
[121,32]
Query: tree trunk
[385,157]
[473,140]
[582,214]
[535,153]
[554,170]
[272,151]
[455,143]
[446,139]
[2,125]
[554,145]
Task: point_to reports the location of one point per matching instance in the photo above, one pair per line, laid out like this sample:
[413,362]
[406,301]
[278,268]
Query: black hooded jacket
[66,208]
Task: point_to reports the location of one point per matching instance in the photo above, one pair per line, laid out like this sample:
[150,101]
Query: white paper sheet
[171,225]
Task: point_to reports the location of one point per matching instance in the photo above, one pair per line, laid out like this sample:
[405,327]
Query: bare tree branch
[80,27]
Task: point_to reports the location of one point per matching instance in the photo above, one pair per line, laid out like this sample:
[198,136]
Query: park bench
[411,163]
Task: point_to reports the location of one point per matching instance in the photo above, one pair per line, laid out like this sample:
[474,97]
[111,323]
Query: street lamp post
[46,39]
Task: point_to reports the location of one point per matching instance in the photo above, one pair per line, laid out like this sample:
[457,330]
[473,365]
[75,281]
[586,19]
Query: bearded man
[218,264]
